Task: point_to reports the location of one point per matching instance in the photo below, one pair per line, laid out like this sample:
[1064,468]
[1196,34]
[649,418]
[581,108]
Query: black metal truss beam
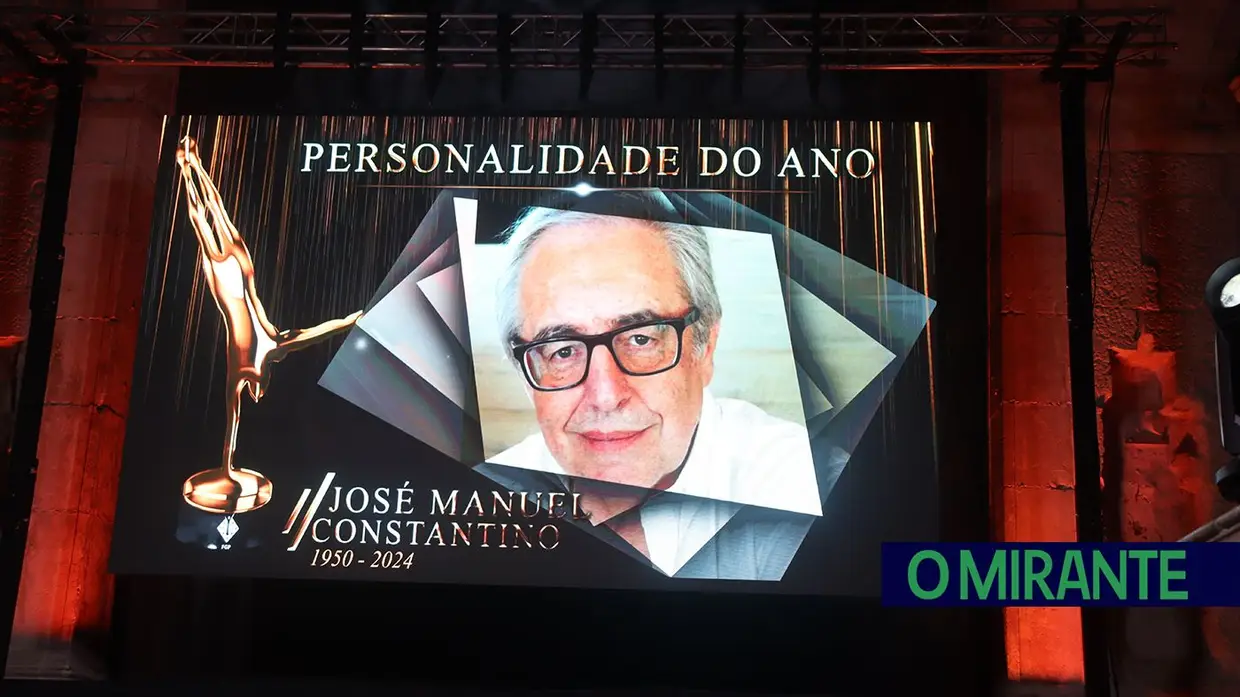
[880,41]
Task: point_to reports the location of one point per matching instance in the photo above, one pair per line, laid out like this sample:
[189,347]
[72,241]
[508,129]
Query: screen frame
[367,620]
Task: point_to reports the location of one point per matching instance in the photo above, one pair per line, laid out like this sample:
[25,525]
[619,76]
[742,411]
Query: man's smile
[611,441]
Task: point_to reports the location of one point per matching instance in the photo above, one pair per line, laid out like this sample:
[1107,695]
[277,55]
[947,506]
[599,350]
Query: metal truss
[1017,40]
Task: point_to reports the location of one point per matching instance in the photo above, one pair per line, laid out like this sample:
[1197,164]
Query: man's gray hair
[689,245]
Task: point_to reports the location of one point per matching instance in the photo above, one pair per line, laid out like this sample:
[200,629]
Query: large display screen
[618,353]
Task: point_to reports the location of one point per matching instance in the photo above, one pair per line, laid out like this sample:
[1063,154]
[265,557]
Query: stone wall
[1166,219]
[65,596]
[25,130]
[1033,418]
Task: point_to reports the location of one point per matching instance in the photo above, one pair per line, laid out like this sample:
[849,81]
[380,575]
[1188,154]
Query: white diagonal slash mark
[292,517]
[314,507]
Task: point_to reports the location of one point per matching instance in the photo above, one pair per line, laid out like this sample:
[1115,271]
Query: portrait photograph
[635,352]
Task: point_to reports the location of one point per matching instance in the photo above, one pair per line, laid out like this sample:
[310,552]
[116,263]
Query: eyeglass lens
[639,351]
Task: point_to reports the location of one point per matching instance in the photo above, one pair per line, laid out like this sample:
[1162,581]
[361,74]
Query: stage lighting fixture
[1223,299]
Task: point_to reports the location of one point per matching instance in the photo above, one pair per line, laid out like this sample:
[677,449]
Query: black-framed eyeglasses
[639,350]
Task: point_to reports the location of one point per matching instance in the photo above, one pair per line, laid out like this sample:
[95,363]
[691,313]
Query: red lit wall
[1034,497]
[1171,186]
[65,595]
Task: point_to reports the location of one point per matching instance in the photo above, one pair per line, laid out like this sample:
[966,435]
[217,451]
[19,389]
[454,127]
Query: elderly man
[613,323]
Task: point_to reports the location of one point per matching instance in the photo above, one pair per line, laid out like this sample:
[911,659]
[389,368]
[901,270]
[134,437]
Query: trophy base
[229,493]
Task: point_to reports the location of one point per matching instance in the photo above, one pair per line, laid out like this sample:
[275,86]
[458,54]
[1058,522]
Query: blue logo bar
[1061,574]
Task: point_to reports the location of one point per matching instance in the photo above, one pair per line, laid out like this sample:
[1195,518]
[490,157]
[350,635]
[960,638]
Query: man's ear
[711,342]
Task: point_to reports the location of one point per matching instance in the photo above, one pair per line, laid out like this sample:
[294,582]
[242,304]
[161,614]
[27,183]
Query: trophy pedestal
[227,492]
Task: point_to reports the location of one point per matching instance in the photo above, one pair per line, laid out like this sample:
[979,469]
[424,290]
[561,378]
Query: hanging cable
[1102,182]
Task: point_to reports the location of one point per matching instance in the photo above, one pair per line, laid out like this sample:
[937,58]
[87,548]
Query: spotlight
[1223,299]
[1227,479]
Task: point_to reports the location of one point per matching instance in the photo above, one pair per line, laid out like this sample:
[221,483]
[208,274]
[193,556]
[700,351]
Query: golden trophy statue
[253,343]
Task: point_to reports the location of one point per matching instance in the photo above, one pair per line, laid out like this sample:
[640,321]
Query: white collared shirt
[741,456]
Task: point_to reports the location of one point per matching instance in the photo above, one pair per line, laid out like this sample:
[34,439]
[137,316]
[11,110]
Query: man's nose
[606,386]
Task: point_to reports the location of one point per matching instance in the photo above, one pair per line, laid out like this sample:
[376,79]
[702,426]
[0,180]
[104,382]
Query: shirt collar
[701,451]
